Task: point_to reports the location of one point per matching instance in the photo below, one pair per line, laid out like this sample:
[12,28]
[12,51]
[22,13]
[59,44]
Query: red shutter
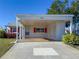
[34,29]
[45,30]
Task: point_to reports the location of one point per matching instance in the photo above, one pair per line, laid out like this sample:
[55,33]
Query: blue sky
[9,9]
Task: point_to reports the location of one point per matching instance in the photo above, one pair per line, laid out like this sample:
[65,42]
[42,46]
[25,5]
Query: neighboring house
[42,26]
[11,30]
[1,28]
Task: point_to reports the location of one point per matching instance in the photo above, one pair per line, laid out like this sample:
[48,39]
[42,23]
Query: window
[14,29]
[40,30]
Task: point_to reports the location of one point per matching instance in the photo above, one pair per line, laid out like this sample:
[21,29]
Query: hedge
[71,39]
[2,34]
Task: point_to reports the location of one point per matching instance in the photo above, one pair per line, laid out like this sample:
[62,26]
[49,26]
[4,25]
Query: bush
[66,38]
[11,35]
[2,34]
[77,40]
[71,39]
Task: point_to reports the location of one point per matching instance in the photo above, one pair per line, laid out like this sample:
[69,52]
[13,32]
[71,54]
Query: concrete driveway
[28,50]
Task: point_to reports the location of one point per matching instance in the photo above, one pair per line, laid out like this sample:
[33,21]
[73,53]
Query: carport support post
[23,35]
[60,30]
[17,25]
[71,26]
[24,32]
[20,34]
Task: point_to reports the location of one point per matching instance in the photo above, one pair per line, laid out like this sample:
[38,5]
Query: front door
[27,32]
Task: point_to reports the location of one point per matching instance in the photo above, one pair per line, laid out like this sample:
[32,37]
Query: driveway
[31,50]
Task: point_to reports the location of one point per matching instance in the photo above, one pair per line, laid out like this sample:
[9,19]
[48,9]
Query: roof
[11,24]
[44,17]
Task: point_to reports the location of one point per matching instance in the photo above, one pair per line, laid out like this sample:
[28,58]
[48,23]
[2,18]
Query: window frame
[40,30]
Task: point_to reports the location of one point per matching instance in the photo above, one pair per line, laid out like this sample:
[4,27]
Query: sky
[10,8]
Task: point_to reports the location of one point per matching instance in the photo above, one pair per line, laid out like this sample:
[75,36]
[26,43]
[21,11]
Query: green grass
[5,45]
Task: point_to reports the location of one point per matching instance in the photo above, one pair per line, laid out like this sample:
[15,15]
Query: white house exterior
[42,26]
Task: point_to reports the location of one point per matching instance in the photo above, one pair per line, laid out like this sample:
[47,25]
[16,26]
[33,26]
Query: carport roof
[65,17]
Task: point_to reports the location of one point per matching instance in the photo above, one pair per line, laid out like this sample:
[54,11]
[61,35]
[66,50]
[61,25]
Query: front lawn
[5,45]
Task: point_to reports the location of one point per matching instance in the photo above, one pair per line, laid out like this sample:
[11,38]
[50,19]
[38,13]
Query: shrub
[11,35]
[77,40]
[2,34]
[66,38]
[71,39]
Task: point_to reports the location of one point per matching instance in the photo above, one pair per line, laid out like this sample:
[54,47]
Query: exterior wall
[60,30]
[27,29]
[51,31]
[10,33]
[10,30]
[7,29]
[37,34]
[55,31]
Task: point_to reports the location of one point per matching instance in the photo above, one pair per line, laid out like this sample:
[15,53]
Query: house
[41,26]
[1,28]
[11,30]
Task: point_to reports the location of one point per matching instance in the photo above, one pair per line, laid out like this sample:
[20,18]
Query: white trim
[17,29]
[71,26]
[45,17]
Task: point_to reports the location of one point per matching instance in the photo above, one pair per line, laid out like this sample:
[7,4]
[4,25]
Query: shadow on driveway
[25,51]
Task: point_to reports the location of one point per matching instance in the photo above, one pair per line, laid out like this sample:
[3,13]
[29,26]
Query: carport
[41,26]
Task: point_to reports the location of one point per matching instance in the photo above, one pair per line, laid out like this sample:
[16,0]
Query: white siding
[55,31]
[39,35]
[51,31]
[60,30]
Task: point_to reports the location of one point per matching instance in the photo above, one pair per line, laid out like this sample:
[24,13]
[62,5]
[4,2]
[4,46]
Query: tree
[58,7]
[2,33]
[72,9]
[76,22]
[61,7]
